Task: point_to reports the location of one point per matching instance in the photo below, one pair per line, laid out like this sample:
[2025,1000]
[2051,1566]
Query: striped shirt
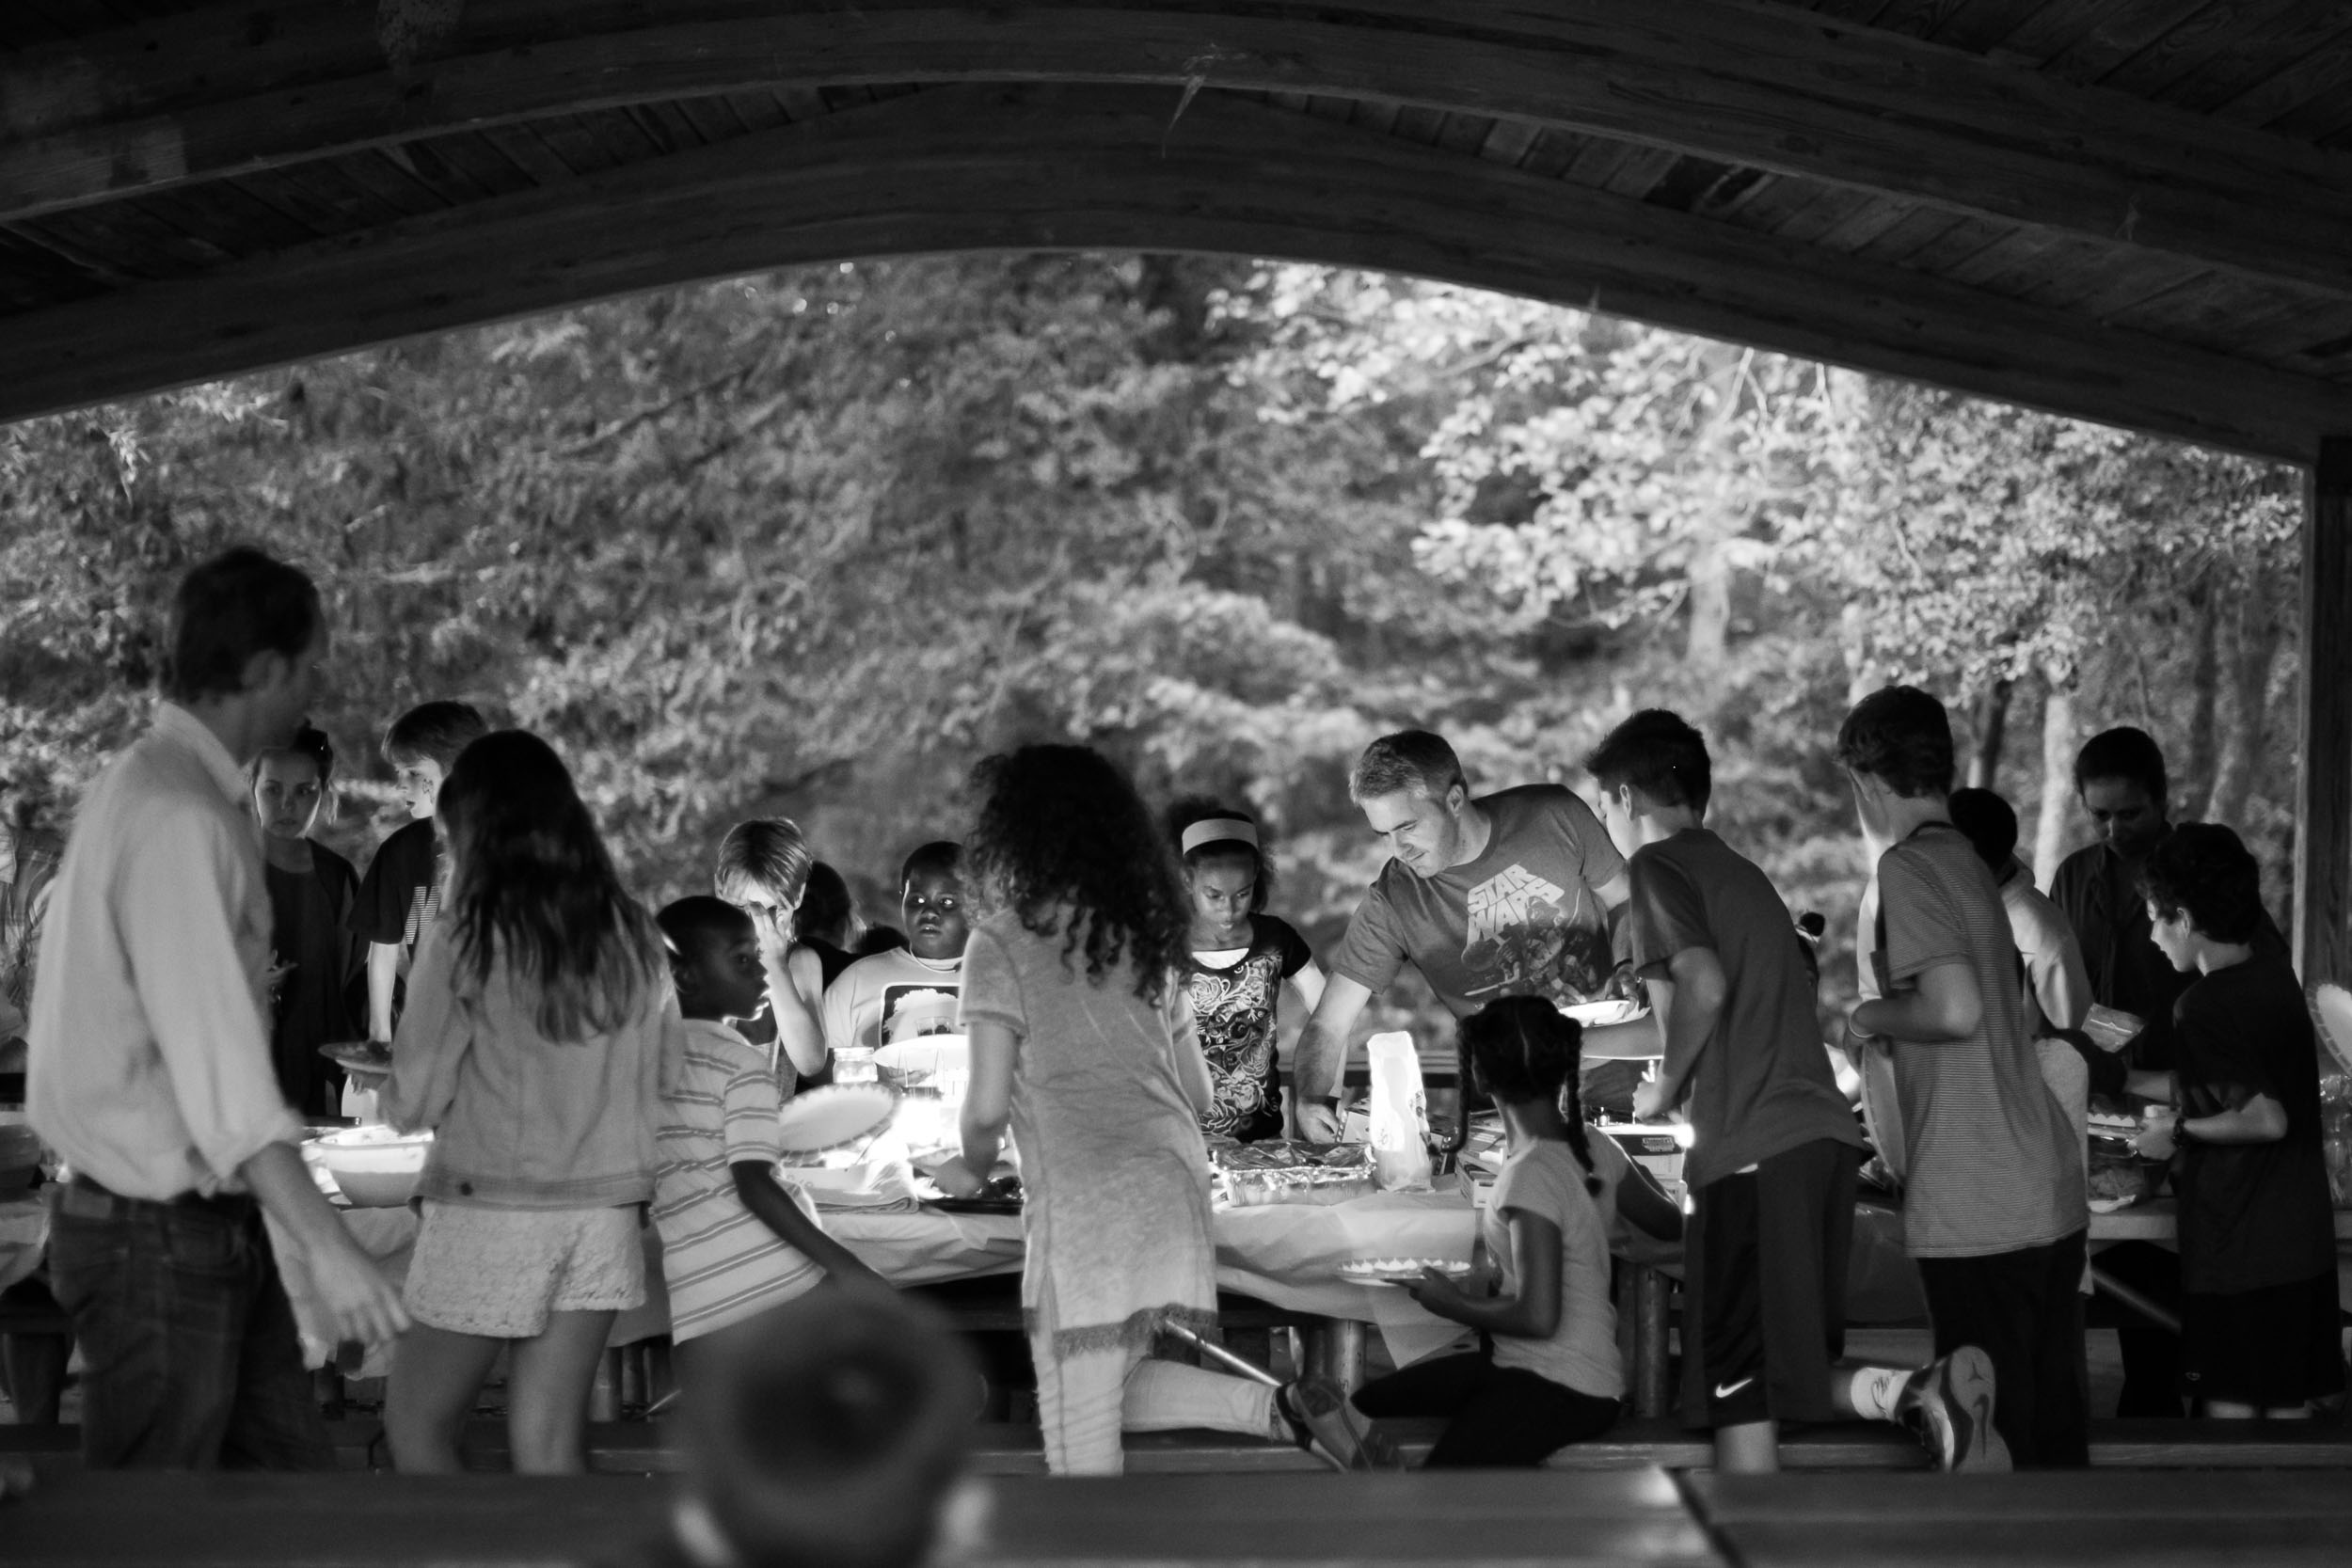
[1995,1163]
[719,1107]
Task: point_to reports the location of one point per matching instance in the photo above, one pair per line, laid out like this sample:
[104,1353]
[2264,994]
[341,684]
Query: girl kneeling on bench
[1547,1372]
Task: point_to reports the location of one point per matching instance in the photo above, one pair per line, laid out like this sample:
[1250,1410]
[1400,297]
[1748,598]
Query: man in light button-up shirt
[150,1073]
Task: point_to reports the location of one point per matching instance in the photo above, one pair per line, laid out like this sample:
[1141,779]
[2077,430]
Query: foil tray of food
[1284,1170]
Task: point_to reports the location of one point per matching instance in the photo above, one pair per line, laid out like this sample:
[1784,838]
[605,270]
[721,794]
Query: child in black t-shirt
[1241,956]
[401,894]
[2259,1319]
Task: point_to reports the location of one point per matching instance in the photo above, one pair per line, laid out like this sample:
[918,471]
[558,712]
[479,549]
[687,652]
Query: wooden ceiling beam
[1071,168]
[1746,82]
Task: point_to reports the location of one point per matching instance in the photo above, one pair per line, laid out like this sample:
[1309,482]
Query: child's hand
[2159,1139]
[958,1179]
[1435,1291]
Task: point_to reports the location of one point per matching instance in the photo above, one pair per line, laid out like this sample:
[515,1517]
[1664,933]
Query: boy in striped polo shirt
[734,1239]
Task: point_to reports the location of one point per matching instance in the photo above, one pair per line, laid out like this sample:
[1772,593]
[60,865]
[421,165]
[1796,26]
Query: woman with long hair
[1082,1043]
[532,1045]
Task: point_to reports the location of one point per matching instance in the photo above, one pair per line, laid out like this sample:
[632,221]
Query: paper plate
[366,1056]
[1398,1271]
[1599,1014]
[834,1117]
[2335,1016]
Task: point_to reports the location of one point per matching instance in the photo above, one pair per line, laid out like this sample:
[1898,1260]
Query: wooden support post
[2322,806]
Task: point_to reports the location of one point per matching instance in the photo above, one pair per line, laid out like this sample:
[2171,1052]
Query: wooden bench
[1001,1448]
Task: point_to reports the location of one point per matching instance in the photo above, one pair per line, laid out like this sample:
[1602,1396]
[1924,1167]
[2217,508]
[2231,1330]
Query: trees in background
[812,541]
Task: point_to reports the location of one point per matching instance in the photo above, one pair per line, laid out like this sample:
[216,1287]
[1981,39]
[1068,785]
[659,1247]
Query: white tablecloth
[1287,1255]
[23,1236]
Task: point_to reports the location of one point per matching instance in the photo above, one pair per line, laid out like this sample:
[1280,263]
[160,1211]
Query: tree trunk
[2058,779]
[2196,775]
[1721,515]
[1853,643]
[2244,727]
[1992,732]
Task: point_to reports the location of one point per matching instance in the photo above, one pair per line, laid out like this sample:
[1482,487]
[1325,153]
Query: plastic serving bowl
[374,1167]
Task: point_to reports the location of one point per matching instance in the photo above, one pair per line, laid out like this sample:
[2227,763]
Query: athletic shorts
[1764,1288]
[2273,1348]
[500,1272]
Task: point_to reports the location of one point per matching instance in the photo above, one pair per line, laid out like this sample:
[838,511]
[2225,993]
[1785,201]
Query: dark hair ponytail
[1522,1048]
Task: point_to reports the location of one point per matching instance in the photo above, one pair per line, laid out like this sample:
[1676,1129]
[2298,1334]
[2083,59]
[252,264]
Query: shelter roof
[2133,211]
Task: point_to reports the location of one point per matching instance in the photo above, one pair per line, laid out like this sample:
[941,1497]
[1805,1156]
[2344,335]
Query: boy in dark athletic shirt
[1775,1148]
[2259,1319]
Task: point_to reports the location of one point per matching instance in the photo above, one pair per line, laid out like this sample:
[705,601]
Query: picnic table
[84,1520]
[1286,1255]
[1517,1519]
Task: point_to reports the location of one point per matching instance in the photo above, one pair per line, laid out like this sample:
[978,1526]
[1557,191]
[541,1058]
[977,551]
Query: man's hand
[355,1300]
[1653,1101]
[1318,1121]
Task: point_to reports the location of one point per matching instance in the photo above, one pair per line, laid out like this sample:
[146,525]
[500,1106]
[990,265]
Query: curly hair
[1522,1048]
[1200,808]
[1063,841]
[534,884]
[2204,870]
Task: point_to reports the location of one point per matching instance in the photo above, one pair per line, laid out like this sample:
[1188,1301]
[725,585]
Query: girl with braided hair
[1547,1372]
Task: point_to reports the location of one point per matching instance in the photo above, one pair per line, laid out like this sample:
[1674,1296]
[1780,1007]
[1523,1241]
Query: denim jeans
[190,1356]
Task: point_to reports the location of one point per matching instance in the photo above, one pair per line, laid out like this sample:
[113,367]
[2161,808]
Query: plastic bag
[1400,1114]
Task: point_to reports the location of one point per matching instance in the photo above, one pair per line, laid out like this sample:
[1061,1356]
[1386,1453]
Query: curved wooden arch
[225,90]
[1032,168]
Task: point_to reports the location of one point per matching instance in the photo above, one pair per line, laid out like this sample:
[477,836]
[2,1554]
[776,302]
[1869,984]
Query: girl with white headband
[1241,956]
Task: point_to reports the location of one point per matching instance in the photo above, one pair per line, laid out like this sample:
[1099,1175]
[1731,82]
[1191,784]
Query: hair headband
[1219,830]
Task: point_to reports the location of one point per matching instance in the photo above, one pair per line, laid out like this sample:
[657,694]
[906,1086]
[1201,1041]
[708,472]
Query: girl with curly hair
[1237,961]
[1083,1045]
[532,1045]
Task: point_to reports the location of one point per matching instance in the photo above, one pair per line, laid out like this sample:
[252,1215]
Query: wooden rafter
[1026,168]
[1738,81]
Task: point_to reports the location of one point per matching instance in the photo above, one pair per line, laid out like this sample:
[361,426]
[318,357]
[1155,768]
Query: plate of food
[1399,1271]
[360,1056]
[1599,1015]
[819,1121]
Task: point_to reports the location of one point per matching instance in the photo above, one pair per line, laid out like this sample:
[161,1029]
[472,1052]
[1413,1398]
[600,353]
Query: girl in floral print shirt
[1240,958]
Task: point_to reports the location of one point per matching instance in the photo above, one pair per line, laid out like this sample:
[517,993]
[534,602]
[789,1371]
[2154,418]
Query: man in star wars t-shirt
[1507,895]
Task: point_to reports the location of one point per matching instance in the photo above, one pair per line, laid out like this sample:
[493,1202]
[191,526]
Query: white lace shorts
[500,1271]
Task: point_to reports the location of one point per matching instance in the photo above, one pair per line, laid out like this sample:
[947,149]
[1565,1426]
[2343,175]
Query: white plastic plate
[1595,1015]
[834,1117]
[1398,1271]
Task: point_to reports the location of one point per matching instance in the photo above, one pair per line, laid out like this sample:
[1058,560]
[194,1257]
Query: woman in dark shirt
[311,891]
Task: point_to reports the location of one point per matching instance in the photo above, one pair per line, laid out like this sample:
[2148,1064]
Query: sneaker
[1953,1405]
[1323,1422]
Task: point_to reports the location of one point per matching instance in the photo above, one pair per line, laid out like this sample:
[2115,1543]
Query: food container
[374,1167]
[2119,1176]
[929,1064]
[1281,1170]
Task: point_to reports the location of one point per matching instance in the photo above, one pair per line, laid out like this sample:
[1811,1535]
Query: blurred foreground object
[829,1432]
